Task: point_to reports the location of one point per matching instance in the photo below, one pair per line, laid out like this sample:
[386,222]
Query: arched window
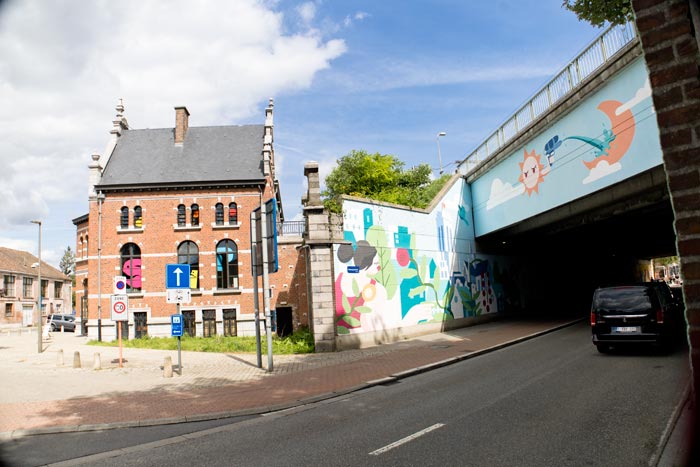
[195,214]
[138,221]
[226,265]
[188,253]
[131,266]
[124,218]
[232,213]
[181,215]
[219,214]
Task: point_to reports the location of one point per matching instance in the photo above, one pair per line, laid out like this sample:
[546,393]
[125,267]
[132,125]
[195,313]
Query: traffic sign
[178,295]
[119,284]
[120,307]
[177,276]
[176,322]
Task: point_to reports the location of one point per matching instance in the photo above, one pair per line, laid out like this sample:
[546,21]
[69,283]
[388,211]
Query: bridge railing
[291,228]
[564,83]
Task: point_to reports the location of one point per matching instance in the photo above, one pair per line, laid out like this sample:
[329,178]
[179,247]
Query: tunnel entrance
[566,253]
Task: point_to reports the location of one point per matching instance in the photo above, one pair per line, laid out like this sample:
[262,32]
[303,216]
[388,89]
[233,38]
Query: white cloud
[307,12]
[501,192]
[64,65]
[641,94]
[602,169]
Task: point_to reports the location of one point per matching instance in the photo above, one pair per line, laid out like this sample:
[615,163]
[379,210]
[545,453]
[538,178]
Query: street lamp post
[39,319]
[437,138]
[100,199]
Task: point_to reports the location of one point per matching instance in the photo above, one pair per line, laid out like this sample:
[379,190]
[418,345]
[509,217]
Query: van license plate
[625,329]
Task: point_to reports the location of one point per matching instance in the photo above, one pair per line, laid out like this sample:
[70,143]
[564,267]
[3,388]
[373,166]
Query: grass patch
[298,343]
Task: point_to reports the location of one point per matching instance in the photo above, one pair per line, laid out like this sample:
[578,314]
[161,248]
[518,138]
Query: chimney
[182,116]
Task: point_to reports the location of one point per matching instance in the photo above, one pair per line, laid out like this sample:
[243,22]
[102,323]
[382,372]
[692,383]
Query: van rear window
[624,299]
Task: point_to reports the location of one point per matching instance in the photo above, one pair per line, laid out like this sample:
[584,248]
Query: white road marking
[406,439]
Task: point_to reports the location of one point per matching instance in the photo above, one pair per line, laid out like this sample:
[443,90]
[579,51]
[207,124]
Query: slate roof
[228,155]
[20,262]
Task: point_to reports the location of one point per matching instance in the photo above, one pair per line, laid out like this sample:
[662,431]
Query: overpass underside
[600,239]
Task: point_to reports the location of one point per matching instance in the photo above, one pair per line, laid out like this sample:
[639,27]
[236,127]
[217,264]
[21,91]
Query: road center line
[406,439]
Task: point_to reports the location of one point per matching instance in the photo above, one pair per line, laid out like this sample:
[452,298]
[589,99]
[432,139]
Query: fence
[291,228]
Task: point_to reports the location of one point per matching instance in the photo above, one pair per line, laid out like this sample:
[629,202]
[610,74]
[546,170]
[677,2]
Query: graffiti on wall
[606,138]
[413,268]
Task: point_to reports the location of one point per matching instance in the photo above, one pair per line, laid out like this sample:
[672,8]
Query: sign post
[176,331]
[119,312]
[256,304]
[177,285]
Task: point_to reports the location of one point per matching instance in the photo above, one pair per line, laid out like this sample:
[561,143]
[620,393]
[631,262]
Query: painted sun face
[531,172]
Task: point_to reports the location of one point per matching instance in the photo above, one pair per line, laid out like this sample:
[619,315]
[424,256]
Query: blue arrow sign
[177,276]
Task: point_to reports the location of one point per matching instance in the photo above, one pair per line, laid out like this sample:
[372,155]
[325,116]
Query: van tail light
[592,318]
[660,316]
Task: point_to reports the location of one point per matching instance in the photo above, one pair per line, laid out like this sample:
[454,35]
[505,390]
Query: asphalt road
[553,400]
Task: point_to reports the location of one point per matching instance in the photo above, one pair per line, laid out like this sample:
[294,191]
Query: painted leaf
[342,330]
[416,291]
[422,266]
[363,309]
[346,304]
[376,236]
[408,273]
[355,287]
[352,321]
[436,281]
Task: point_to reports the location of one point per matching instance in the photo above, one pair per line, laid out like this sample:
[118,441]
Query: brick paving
[41,394]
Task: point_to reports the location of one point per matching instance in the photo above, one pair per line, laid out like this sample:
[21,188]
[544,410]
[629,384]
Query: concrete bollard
[168,367]
[59,357]
[76,360]
[97,362]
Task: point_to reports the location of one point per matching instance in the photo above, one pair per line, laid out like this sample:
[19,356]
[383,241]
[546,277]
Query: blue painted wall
[610,136]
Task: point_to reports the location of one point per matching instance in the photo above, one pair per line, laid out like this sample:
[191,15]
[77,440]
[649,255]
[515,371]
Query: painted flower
[402,257]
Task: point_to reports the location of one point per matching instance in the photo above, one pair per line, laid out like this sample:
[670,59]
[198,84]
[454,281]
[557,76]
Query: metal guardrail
[291,228]
[564,83]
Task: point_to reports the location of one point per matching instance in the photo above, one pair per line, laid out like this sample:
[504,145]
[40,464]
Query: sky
[384,76]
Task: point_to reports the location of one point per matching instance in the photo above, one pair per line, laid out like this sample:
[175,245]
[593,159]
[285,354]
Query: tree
[380,177]
[67,264]
[597,12]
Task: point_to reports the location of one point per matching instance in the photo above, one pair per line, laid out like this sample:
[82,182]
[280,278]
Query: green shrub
[299,342]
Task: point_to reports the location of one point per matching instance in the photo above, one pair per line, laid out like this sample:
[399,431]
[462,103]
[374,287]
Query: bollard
[76,360]
[168,367]
[59,357]
[97,362]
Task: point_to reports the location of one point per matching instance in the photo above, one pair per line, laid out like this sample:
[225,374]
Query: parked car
[66,321]
[642,313]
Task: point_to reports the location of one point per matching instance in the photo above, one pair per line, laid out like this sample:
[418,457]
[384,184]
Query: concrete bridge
[568,194]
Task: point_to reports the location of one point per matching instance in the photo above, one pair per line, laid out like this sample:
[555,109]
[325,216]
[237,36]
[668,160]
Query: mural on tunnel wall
[610,136]
[402,267]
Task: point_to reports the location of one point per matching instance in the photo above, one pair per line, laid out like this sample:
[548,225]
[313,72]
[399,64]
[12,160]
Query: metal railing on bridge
[291,228]
[563,84]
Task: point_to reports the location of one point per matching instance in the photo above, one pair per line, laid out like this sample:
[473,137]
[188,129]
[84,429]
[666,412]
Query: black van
[644,312]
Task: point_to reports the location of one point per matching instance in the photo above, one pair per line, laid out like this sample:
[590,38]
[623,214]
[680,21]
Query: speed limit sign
[120,307]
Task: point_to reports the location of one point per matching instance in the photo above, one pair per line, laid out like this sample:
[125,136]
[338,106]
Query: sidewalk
[40,395]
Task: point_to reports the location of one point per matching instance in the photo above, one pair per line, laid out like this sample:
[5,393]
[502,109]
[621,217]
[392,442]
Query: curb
[17,434]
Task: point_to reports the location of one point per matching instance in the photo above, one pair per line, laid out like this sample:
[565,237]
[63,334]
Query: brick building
[19,288]
[669,31]
[182,195]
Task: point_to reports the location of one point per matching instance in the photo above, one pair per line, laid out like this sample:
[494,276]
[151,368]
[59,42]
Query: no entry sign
[120,307]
